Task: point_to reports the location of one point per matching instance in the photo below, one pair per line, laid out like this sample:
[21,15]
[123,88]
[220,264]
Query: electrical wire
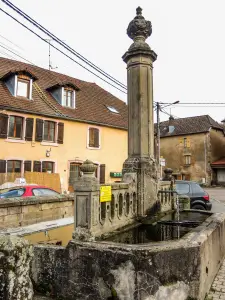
[16,54]
[7,55]
[10,42]
[61,51]
[63,44]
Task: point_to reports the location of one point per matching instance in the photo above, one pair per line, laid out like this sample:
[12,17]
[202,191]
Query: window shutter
[60,133]
[39,130]
[2,166]
[102,173]
[29,129]
[91,137]
[3,126]
[188,143]
[96,138]
[27,166]
[37,166]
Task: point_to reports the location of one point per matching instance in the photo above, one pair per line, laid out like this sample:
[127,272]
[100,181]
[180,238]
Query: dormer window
[69,98]
[23,88]
[20,83]
[64,94]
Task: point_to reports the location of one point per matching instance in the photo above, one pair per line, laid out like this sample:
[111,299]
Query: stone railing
[121,210]
[165,196]
[92,218]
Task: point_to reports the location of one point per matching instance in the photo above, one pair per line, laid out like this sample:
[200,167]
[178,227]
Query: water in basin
[157,232]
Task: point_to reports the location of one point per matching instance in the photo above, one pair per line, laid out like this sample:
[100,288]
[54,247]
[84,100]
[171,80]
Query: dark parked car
[199,197]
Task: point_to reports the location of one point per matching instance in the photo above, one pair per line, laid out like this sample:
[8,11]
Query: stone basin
[155,270]
[168,227]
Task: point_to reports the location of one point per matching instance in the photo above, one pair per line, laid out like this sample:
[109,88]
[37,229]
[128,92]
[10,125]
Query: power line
[16,54]
[7,55]
[61,51]
[63,44]
[11,42]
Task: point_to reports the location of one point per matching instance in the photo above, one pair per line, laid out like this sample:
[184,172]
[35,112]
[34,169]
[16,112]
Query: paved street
[218,287]
[217,196]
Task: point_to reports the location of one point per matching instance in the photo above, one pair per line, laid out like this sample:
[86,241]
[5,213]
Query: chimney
[171,127]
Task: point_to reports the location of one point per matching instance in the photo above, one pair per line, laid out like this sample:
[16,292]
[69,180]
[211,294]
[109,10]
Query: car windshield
[12,193]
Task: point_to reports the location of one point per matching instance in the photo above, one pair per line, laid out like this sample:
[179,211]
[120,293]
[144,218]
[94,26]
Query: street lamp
[159,106]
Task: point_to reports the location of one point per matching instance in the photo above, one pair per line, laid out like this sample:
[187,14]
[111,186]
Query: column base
[147,183]
[83,234]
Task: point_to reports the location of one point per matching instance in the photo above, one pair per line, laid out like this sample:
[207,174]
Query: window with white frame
[23,88]
[14,166]
[187,159]
[69,98]
[49,131]
[15,129]
[48,166]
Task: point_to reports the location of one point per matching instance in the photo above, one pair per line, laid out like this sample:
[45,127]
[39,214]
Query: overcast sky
[188,37]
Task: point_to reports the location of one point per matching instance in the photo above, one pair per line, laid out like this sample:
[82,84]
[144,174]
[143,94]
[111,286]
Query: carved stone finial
[139,27]
[88,168]
[139,11]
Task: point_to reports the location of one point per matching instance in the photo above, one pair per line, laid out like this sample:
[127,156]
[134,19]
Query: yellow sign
[105,193]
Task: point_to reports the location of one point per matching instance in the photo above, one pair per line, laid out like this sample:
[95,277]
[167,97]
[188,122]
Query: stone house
[51,122]
[192,146]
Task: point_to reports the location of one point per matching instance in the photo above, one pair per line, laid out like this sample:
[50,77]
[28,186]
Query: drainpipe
[205,150]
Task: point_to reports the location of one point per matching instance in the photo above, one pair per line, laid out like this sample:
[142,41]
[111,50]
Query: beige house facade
[50,122]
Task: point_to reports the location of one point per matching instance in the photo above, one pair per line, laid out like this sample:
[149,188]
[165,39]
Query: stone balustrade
[166,196]
[93,218]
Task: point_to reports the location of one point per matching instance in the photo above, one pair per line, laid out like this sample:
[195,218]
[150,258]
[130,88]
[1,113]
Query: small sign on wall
[116,174]
[105,193]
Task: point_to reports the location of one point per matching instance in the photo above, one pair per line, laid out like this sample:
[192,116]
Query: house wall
[173,150]
[217,141]
[112,152]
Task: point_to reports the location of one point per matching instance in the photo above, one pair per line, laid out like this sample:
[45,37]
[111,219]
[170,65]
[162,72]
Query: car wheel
[198,206]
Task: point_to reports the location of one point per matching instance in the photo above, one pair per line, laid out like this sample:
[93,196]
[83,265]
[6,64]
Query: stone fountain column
[139,59]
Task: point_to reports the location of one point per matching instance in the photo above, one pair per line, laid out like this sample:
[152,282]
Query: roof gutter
[62,118]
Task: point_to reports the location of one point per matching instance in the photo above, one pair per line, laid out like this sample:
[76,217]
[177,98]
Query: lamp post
[159,106]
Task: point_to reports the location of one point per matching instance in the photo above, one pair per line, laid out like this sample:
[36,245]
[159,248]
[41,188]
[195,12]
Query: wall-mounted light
[48,152]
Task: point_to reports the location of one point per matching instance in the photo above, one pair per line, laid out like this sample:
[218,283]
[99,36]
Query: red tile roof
[91,100]
[219,162]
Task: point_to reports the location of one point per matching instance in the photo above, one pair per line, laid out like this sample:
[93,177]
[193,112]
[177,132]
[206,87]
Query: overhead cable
[63,44]
[61,51]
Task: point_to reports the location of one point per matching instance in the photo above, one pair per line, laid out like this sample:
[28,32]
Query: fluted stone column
[139,59]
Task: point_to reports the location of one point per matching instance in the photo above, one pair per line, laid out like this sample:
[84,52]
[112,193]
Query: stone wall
[172,149]
[18,212]
[165,270]
[15,258]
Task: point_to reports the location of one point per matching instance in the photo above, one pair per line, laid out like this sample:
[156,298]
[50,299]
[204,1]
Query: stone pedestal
[86,199]
[139,59]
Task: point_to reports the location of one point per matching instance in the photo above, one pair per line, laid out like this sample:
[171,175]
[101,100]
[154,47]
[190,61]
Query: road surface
[217,196]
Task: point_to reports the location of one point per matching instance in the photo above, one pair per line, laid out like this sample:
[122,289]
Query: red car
[28,190]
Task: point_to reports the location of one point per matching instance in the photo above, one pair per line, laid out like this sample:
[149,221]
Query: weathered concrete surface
[15,258]
[87,270]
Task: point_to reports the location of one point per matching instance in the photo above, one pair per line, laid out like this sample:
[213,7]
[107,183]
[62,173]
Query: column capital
[139,30]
